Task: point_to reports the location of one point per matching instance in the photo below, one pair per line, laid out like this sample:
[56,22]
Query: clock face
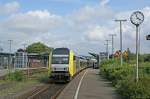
[137,18]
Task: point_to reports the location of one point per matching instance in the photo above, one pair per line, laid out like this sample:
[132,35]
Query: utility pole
[120,21]
[25,59]
[1,49]
[107,50]
[10,46]
[112,37]
[24,46]
[10,43]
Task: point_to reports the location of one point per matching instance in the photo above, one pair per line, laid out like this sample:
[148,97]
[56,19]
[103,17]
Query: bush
[122,79]
[129,89]
[115,72]
[16,76]
[121,74]
[147,70]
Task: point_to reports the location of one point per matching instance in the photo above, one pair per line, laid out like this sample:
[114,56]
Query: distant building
[38,60]
[6,59]
[31,60]
[21,59]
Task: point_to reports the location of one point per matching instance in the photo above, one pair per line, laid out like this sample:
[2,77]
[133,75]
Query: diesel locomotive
[65,64]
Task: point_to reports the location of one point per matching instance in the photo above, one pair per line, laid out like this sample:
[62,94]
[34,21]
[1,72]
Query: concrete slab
[96,87]
[92,87]
[70,89]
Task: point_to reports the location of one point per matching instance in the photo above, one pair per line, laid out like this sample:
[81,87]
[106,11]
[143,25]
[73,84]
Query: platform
[89,85]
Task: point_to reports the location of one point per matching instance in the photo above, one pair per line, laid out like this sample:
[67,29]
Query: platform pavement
[92,86]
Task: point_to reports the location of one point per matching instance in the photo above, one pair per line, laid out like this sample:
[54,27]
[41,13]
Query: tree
[38,47]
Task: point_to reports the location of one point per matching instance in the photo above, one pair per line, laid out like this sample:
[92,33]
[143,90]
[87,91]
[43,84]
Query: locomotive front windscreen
[60,60]
[60,56]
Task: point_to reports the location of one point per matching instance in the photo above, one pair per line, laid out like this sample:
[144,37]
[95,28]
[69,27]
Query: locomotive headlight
[53,68]
[66,68]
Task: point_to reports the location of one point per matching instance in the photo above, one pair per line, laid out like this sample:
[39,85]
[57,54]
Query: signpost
[136,19]
[148,37]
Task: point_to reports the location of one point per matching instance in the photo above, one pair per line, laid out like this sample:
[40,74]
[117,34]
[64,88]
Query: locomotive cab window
[60,60]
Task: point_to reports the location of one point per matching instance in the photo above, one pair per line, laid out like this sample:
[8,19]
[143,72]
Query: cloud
[97,33]
[39,21]
[9,8]
[83,30]
[104,2]
[29,27]
[90,14]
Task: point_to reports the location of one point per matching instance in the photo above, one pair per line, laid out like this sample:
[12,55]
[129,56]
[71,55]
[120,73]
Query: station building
[6,60]
[22,59]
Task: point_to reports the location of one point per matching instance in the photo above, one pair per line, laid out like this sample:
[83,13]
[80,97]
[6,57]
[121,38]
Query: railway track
[46,91]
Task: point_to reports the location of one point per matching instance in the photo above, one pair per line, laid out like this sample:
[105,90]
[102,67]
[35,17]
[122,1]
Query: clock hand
[138,17]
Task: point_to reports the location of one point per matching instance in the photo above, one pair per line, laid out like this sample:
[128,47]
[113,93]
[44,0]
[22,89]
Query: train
[65,64]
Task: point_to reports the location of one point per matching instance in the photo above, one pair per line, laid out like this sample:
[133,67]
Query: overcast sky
[81,25]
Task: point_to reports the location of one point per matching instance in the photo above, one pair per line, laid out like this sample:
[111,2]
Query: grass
[17,82]
[15,76]
[17,87]
[42,77]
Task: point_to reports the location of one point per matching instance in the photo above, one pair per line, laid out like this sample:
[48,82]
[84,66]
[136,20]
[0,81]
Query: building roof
[4,53]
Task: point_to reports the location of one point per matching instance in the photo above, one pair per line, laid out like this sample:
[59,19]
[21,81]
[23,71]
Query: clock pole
[136,19]
[137,53]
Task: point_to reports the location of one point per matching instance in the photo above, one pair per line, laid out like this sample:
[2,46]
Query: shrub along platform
[123,78]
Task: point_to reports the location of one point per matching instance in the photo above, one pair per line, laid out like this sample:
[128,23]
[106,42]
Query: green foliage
[130,89]
[15,76]
[122,78]
[38,48]
[147,70]
[146,57]
[132,56]
[43,77]
[115,72]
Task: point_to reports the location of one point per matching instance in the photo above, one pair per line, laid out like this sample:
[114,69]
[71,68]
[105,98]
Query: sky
[81,25]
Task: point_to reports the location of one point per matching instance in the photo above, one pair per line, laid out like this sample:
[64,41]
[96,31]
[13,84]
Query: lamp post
[136,19]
